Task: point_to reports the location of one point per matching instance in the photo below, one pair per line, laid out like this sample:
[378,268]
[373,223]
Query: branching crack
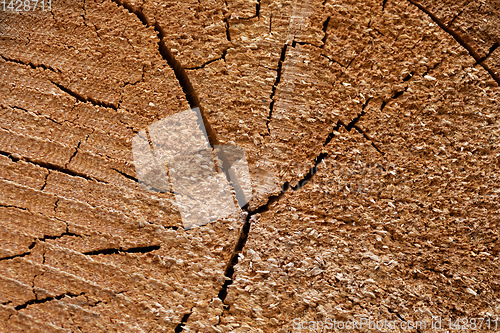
[229,270]
[358,117]
[166,54]
[184,82]
[396,95]
[192,98]
[357,128]
[275,85]
[353,123]
[66,233]
[179,71]
[222,57]
[66,171]
[193,101]
[459,39]
[84,16]
[42,239]
[354,58]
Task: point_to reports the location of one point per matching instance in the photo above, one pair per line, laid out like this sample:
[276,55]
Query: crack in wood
[275,85]
[42,239]
[85,99]
[245,230]
[493,48]
[47,299]
[143,249]
[16,256]
[401,318]
[222,57]
[180,327]
[50,166]
[193,101]
[458,38]
[325,28]
[29,64]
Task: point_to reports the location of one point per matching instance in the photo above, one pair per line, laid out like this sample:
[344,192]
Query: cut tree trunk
[372,135]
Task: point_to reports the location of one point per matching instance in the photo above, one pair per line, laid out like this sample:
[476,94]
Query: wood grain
[371,130]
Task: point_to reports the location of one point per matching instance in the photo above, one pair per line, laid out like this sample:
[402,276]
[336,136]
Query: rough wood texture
[371,130]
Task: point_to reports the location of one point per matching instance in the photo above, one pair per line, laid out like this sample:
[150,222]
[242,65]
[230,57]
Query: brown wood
[371,130]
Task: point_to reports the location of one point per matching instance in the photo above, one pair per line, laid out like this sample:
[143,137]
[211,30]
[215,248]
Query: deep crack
[490,52]
[358,117]
[179,71]
[127,176]
[245,230]
[458,38]
[275,85]
[325,28]
[45,300]
[183,322]
[49,166]
[84,99]
[16,256]
[144,249]
[226,22]
[66,233]
[332,60]
[42,239]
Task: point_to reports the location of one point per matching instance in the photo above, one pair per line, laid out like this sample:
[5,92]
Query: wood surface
[371,131]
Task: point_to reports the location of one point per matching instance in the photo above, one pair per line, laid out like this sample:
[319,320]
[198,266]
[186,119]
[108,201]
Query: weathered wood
[371,131]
